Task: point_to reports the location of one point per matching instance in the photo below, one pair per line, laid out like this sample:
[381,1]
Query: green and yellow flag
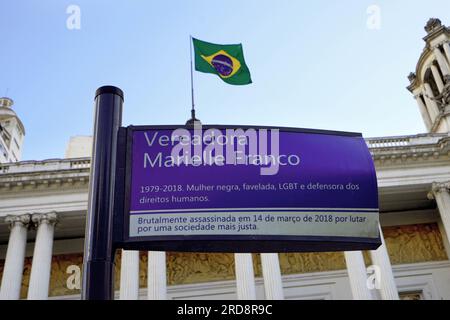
[227,61]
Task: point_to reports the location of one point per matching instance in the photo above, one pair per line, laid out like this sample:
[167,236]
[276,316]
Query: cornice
[387,151]
[70,173]
[45,174]
[436,33]
[44,182]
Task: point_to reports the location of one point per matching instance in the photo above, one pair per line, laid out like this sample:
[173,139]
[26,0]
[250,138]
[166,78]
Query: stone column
[273,285]
[440,191]
[157,282]
[441,61]
[357,275]
[447,50]
[15,255]
[380,258]
[424,112]
[42,255]
[129,275]
[433,108]
[245,276]
[437,78]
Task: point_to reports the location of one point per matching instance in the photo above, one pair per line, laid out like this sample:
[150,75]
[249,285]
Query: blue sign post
[99,250]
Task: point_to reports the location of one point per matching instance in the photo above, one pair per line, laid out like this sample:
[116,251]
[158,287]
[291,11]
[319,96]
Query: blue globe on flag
[222,64]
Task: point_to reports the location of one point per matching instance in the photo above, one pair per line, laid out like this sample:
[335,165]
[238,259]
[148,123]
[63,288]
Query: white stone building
[12,132]
[43,207]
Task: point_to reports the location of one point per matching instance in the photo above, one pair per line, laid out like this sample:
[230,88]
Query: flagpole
[193,119]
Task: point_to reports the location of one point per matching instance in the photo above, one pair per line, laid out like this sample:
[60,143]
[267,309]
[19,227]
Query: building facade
[12,132]
[43,208]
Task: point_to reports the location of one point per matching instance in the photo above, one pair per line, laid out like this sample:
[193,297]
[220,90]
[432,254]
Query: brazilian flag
[227,61]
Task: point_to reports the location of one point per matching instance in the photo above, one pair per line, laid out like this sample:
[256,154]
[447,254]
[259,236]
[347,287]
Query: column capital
[22,220]
[440,44]
[49,218]
[438,187]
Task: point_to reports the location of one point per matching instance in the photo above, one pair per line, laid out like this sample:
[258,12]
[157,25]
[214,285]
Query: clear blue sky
[314,64]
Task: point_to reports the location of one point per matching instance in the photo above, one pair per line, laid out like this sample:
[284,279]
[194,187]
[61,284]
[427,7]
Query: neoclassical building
[12,132]
[43,208]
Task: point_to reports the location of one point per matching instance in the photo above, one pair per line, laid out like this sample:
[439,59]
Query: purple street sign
[299,190]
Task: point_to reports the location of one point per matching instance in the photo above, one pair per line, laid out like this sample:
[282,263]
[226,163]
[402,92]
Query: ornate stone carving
[22,220]
[443,99]
[411,295]
[414,243]
[432,25]
[186,268]
[291,263]
[50,218]
[447,79]
[438,187]
[412,77]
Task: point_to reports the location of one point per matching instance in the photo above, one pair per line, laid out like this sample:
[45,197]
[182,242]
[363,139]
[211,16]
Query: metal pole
[193,119]
[98,262]
[192,83]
